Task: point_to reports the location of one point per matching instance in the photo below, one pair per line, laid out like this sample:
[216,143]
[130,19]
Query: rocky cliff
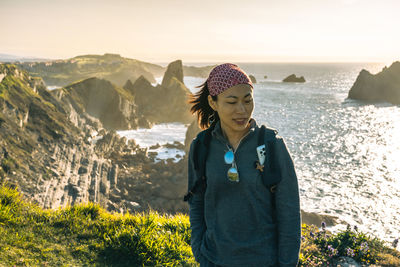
[383,86]
[34,126]
[112,105]
[167,102]
[174,70]
[58,155]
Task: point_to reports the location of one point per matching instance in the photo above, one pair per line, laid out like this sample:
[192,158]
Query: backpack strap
[200,153]
[271,176]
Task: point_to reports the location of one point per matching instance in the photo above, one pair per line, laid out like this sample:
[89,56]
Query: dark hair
[205,114]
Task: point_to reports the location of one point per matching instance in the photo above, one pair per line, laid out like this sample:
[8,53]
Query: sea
[346,152]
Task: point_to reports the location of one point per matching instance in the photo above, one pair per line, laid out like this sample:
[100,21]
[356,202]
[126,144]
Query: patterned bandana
[225,76]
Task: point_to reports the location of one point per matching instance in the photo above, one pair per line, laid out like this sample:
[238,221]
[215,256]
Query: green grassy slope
[86,235]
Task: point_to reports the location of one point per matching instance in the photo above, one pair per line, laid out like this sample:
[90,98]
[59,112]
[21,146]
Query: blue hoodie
[232,223]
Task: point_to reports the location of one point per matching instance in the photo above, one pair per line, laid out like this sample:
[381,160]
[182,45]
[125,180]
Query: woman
[235,219]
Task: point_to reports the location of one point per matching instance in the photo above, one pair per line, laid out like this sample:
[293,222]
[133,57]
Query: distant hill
[111,67]
[12,58]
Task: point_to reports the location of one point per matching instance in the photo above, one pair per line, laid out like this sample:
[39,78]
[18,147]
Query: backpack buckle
[273,188]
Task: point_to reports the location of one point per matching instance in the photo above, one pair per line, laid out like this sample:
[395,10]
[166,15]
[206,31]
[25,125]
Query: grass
[87,235]
[322,248]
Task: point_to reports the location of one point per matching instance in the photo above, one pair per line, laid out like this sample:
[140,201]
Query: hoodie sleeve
[287,209]
[196,210]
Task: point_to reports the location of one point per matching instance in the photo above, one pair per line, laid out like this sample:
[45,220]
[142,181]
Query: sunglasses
[233,174]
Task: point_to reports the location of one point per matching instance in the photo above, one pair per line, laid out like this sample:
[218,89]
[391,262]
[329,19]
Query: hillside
[58,154]
[86,235]
[111,67]
[112,105]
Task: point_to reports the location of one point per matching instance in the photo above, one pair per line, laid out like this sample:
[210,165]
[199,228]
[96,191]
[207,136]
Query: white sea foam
[160,134]
[52,87]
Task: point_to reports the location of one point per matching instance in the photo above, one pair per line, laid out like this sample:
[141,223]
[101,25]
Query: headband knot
[225,76]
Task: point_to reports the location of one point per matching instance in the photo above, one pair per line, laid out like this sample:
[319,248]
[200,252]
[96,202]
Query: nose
[240,108]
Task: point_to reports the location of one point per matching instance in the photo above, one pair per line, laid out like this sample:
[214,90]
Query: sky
[204,30]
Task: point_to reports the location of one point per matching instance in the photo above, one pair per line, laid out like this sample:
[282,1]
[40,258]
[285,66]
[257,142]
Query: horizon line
[45,59]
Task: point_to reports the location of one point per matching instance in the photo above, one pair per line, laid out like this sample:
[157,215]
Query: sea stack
[166,102]
[383,86]
[175,69]
[293,79]
[252,78]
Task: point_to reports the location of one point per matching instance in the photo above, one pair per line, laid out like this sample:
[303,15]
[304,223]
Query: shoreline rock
[294,79]
[383,86]
[252,78]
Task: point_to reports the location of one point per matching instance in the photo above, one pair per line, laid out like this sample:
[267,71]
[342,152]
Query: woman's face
[235,107]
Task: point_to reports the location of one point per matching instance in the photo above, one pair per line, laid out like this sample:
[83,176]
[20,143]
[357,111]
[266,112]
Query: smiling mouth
[240,121]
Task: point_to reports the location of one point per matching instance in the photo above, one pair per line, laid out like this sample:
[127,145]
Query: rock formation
[174,69]
[384,86]
[166,102]
[42,151]
[293,79]
[58,159]
[252,78]
[99,98]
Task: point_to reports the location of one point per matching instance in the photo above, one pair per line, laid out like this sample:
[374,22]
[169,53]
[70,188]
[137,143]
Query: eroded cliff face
[74,174]
[167,102]
[99,98]
[42,151]
[57,154]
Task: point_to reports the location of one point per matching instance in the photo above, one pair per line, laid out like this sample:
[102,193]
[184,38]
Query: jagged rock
[48,158]
[163,104]
[174,69]
[175,144]
[144,123]
[155,146]
[383,86]
[252,78]
[52,161]
[178,108]
[129,87]
[293,79]
[317,219]
[112,105]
